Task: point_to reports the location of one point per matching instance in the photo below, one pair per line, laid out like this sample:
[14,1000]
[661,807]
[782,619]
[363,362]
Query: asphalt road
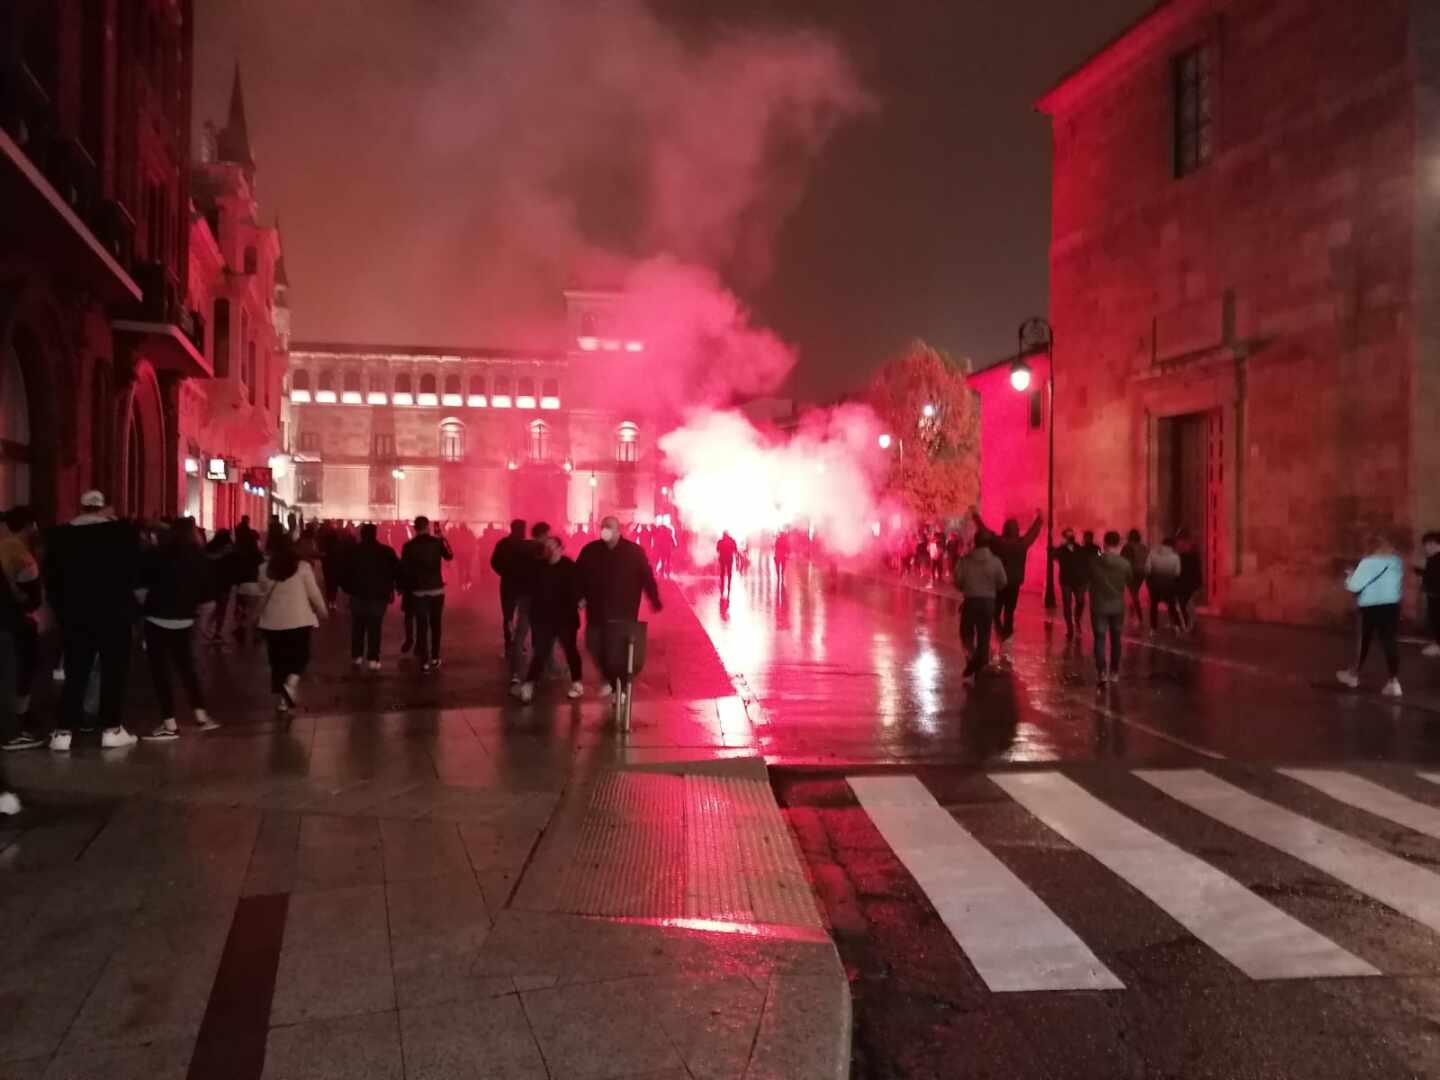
[1034,878]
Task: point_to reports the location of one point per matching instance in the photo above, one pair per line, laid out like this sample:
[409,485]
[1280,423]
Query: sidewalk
[460,886]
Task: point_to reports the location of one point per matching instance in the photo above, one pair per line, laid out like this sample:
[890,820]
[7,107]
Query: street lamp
[928,411]
[1036,336]
[398,474]
[885,441]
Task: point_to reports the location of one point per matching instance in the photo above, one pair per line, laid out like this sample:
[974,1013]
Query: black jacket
[556,599]
[369,576]
[1074,562]
[1011,550]
[421,561]
[92,568]
[177,578]
[613,580]
[517,561]
[1430,576]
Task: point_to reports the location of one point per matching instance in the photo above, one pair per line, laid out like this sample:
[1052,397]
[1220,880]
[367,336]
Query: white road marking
[1377,874]
[1433,777]
[1254,935]
[1014,940]
[1371,797]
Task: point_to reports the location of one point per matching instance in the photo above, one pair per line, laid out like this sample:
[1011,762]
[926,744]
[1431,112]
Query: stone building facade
[480,435]
[106,279]
[1245,281]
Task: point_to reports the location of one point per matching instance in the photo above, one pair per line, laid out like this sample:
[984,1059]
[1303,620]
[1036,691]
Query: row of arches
[405,383]
[452,441]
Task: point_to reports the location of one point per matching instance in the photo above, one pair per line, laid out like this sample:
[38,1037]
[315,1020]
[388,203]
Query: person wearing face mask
[614,574]
[554,617]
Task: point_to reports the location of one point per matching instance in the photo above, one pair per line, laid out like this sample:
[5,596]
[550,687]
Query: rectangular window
[309,486]
[1037,410]
[384,447]
[382,487]
[1194,101]
[452,491]
[309,442]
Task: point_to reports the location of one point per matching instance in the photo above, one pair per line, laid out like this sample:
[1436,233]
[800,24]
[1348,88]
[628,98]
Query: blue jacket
[1379,579]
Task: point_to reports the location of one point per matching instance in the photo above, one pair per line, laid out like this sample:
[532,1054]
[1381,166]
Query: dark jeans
[1072,598]
[217,617]
[167,650]
[1005,601]
[407,609]
[509,600]
[84,645]
[1111,626]
[727,571]
[9,722]
[975,619]
[289,654]
[27,657]
[519,637]
[365,630]
[1432,616]
[545,639]
[429,617]
[1383,621]
[1162,591]
[1135,583]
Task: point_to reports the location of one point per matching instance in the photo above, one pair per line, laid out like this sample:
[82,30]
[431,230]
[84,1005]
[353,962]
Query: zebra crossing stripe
[1254,935]
[1377,874]
[1371,797]
[1433,777]
[1014,940]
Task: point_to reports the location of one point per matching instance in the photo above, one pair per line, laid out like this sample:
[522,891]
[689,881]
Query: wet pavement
[1035,878]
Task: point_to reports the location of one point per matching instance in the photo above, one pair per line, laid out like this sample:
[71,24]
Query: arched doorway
[142,475]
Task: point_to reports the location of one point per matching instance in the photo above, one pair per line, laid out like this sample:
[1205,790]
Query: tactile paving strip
[704,848]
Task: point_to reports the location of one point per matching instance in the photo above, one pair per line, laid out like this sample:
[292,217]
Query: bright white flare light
[1020,378]
[885,441]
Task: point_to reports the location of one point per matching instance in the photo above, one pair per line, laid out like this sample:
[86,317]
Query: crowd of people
[93,579]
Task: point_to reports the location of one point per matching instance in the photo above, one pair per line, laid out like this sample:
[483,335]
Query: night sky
[382,130]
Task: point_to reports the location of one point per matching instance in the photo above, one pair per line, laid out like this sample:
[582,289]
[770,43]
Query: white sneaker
[374,665]
[1392,689]
[1348,678]
[607,690]
[577,689]
[116,738]
[60,740]
[527,692]
[164,732]
[292,688]
[203,721]
[58,675]
[357,662]
[1432,650]
[9,803]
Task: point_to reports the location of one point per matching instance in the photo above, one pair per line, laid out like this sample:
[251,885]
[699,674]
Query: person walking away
[369,576]
[1162,577]
[504,561]
[1136,552]
[1430,586]
[1012,548]
[18,532]
[292,605]
[246,567]
[1110,577]
[614,574]
[554,617]
[663,541]
[526,565]
[92,571]
[20,598]
[1378,583]
[324,545]
[221,553]
[727,552]
[176,578]
[980,577]
[1074,568]
[422,561]
[1190,580]
[782,555]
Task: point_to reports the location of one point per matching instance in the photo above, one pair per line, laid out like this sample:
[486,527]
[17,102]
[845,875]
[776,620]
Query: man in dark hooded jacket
[1012,548]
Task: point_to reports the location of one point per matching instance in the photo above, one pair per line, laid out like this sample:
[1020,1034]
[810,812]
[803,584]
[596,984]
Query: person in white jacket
[292,606]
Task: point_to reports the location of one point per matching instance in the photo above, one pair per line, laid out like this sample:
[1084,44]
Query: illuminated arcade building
[471,434]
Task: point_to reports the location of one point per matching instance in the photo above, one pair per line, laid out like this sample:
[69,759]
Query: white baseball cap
[93,500]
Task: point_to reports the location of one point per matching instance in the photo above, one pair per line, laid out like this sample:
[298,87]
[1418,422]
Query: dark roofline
[1118,52]
[346,348]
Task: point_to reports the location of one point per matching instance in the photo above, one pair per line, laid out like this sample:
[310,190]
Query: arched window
[525,394]
[550,394]
[352,385]
[427,384]
[452,384]
[300,385]
[539,441]
[452,440]
[477,392]
[626,437]
[453,395]
[404,389]
[324,388]
[376,396]
[501,396]
[327,380]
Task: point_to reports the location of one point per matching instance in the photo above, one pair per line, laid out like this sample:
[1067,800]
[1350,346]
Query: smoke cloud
[736,477]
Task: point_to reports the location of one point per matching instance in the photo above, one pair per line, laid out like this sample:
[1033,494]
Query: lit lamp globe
[398,474]
[928,411]
[884,442]
[1020,377]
